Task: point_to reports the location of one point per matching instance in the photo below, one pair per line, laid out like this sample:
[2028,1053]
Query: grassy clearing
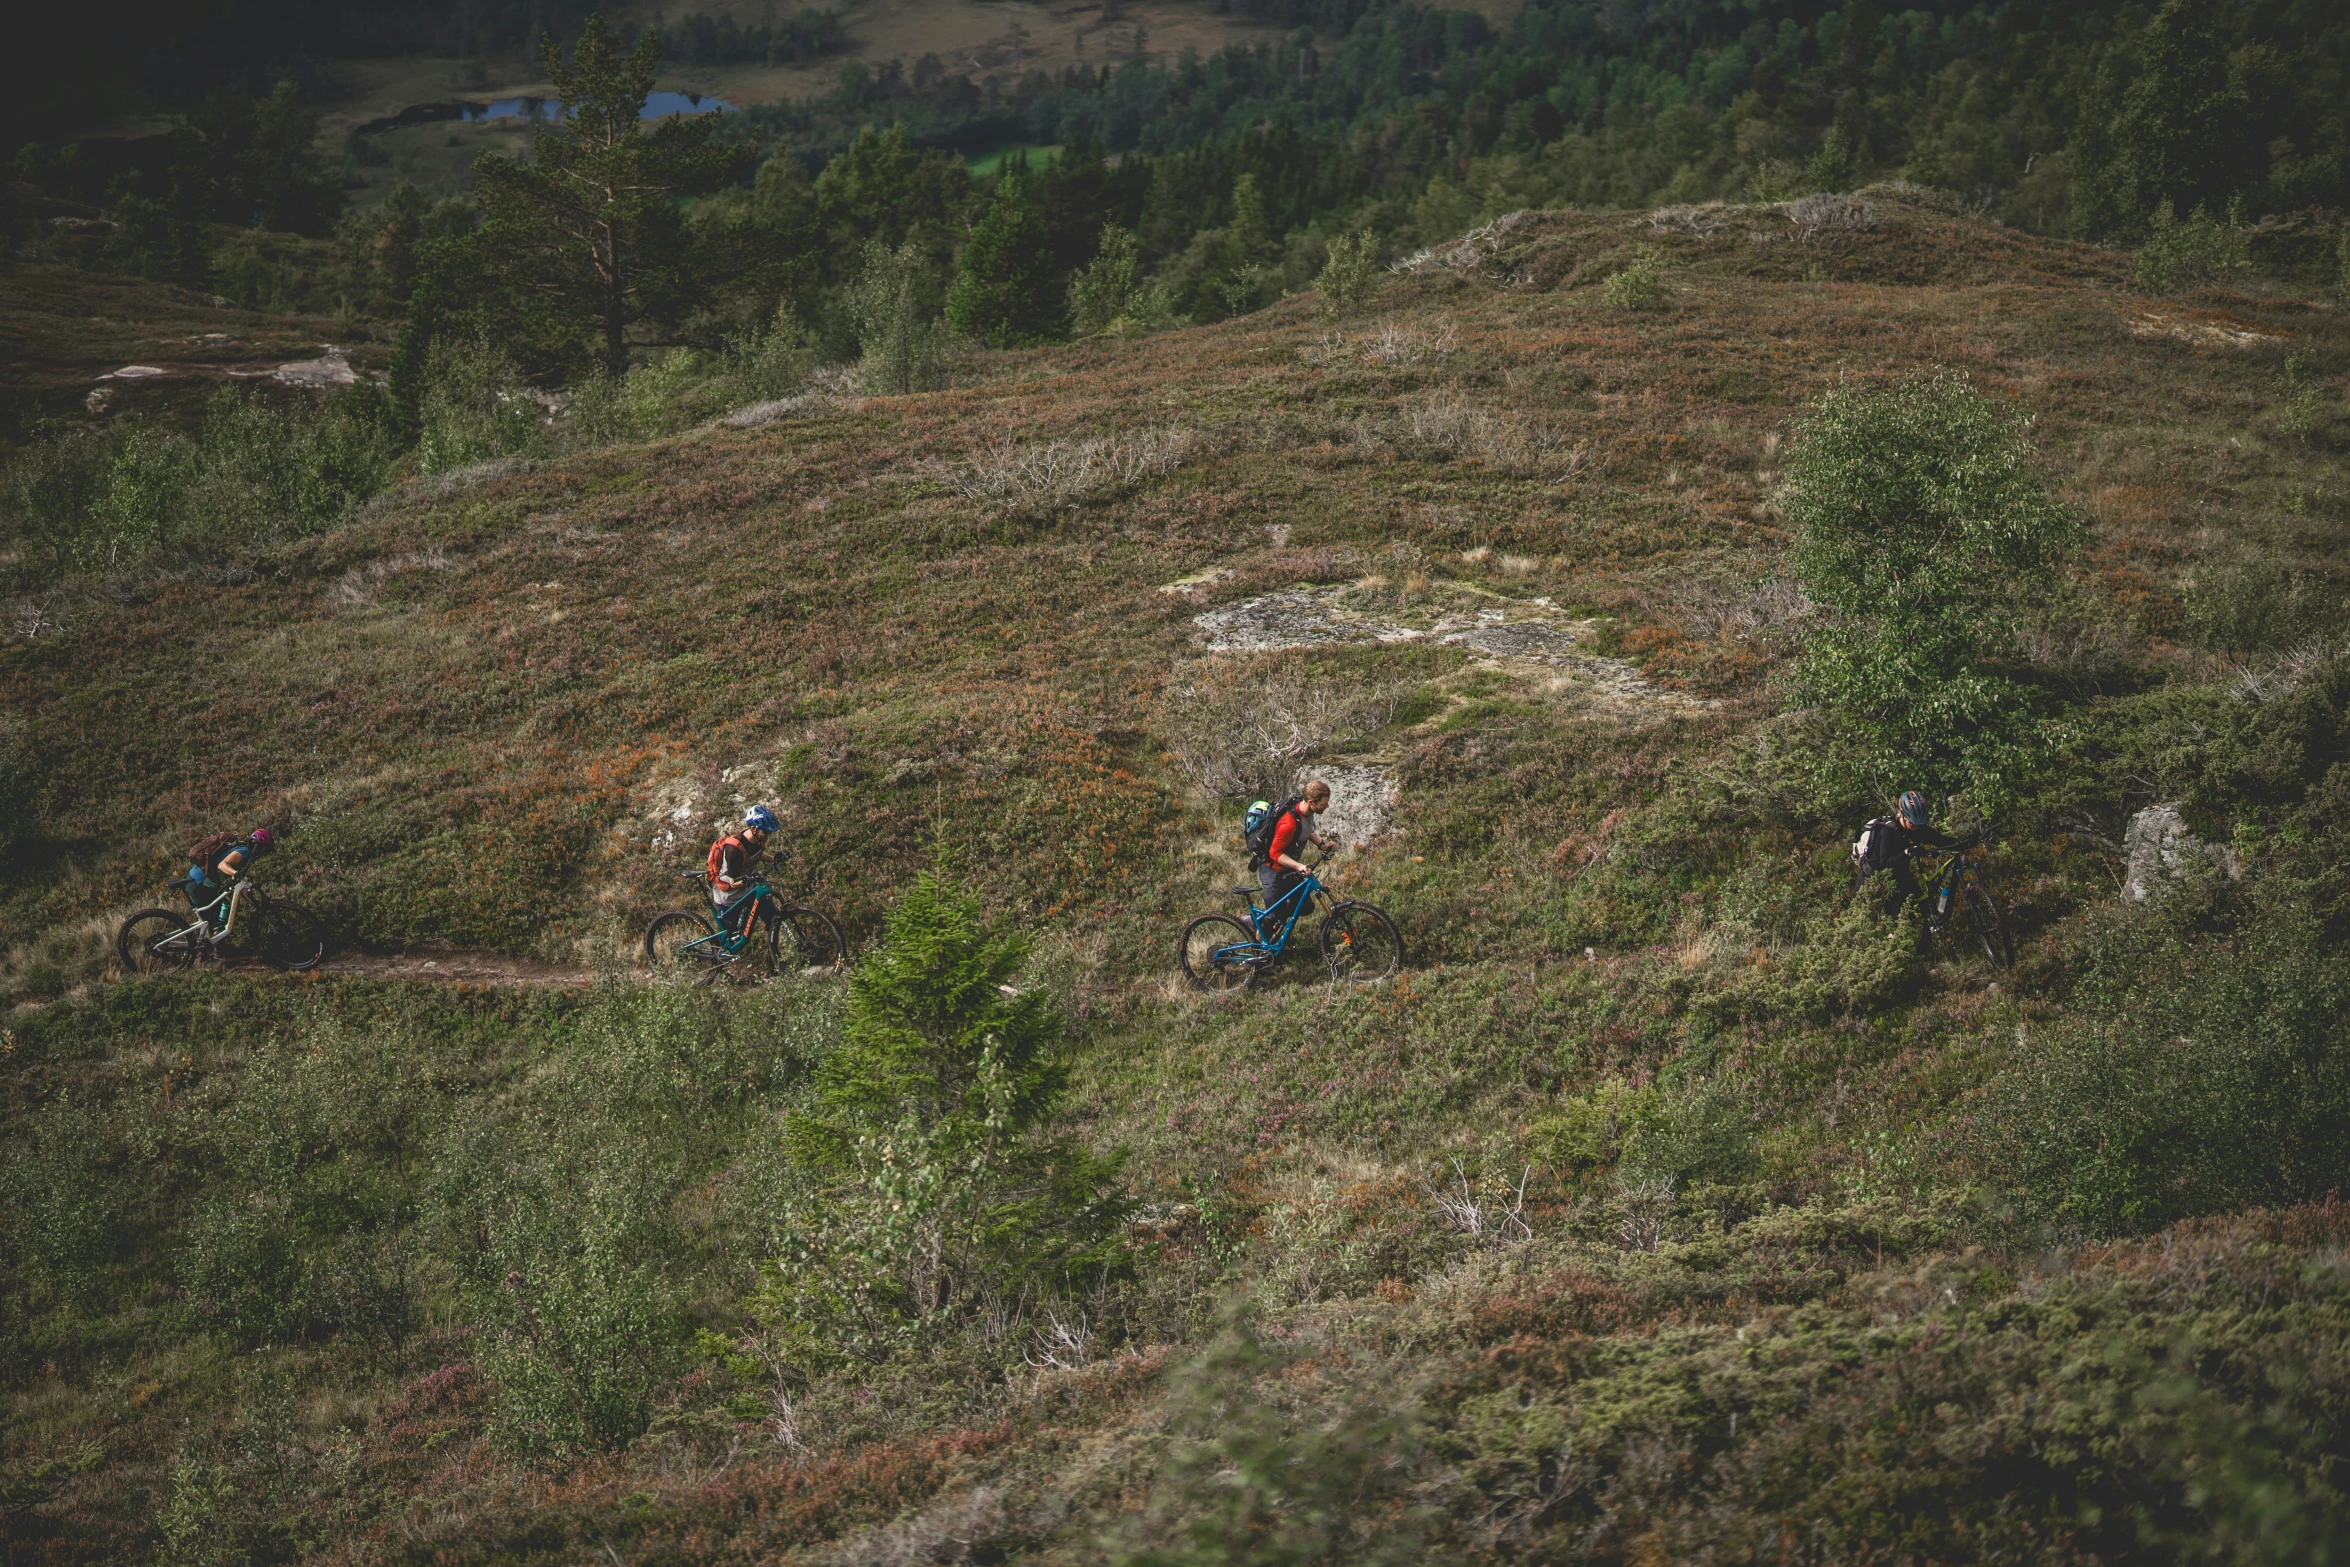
[1665,1198]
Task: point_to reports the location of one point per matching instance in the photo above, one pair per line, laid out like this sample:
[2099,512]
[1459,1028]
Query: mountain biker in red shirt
[1282,870]
[731,860]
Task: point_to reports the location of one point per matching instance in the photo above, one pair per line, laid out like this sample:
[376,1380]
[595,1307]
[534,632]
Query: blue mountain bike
[1358,943]
[761,934]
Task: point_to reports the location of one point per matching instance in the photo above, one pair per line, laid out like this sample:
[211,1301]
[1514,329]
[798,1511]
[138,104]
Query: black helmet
[1912,808]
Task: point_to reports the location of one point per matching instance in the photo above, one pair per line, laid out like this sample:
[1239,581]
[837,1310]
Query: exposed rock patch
[2157,847]
[330,368]
[1361,795]
[1527,637]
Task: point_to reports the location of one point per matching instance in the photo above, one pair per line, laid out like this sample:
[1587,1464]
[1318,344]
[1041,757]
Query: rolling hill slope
[1665,1209]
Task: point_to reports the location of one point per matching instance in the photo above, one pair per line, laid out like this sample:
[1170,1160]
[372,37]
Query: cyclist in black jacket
[1888,843]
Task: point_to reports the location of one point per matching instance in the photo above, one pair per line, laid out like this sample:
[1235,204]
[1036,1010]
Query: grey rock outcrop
[2157,846]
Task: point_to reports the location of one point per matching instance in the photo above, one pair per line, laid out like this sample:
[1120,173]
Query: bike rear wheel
[670,944]
[288,937]
[157,941]
[809,941]
[1360,944]
[1990,927]
[1209,960]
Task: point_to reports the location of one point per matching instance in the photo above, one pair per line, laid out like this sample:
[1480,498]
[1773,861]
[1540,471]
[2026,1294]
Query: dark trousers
[1905,887]
[733,912]
[1273,881]
[203,894]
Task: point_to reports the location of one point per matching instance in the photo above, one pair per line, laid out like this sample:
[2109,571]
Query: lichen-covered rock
[2157,846]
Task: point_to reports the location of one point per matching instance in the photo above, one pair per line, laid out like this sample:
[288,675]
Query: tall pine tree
[588,220]
[1006,291]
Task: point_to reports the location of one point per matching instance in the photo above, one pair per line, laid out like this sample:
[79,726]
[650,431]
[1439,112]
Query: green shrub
[1923,524]
[1108,295]
[2256,607]
[1639,284]
[930,1181]
[20,788]
[894,305]
[1350,278]
[474,408]
[556,1211]
[2305,410]
[2201,1069]
[654,398]
[1248,1482]
[2191,254]
[68,1192]
[262,468]
[1649,1135]
[304,1231]
[774,360]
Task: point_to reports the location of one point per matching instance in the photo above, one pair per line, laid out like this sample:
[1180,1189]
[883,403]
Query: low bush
[2198,1070]
[1349,280]
[262,469]
[1638,284]
[2192,252]
[475,407]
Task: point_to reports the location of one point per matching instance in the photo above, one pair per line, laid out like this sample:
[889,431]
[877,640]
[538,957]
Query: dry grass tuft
[1396,343]
[1810,214]
[356,588]
[1038,479]
[1241,727]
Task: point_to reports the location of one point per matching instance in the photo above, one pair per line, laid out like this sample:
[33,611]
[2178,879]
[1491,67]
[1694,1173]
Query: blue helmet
[761,818]
[1913,809]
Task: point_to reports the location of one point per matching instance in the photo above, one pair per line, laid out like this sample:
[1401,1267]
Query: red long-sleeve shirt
[1289,834]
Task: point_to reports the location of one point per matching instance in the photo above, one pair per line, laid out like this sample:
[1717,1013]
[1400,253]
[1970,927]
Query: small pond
[658,106]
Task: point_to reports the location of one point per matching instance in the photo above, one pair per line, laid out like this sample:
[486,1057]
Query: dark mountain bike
[1358,943]
[1959,905]
[762,935]
[243,922]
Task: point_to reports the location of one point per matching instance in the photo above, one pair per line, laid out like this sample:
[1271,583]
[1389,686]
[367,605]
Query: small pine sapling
[1640,285]
[1350,276]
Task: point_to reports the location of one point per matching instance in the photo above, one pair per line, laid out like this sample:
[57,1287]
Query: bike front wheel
[1990,927]
[680,943]
[288,937]
[157,941]
[809,941]
[1360,944]
[1218,954]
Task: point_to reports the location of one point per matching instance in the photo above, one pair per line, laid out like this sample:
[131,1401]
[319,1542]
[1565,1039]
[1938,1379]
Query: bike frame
[1951,876]
[756,893]
[1299,897]
[202,928]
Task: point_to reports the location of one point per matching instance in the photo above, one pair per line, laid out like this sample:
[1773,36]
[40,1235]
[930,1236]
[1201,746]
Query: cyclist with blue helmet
[1888,843]
[731,859]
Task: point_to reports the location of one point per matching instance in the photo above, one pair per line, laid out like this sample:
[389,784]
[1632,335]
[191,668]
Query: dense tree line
[1211,185]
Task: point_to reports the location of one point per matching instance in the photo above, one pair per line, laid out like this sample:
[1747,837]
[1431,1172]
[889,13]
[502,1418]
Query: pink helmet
[263,839]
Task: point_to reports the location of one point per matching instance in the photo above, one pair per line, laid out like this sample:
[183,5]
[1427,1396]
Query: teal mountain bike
[761,934]
[1358,942]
